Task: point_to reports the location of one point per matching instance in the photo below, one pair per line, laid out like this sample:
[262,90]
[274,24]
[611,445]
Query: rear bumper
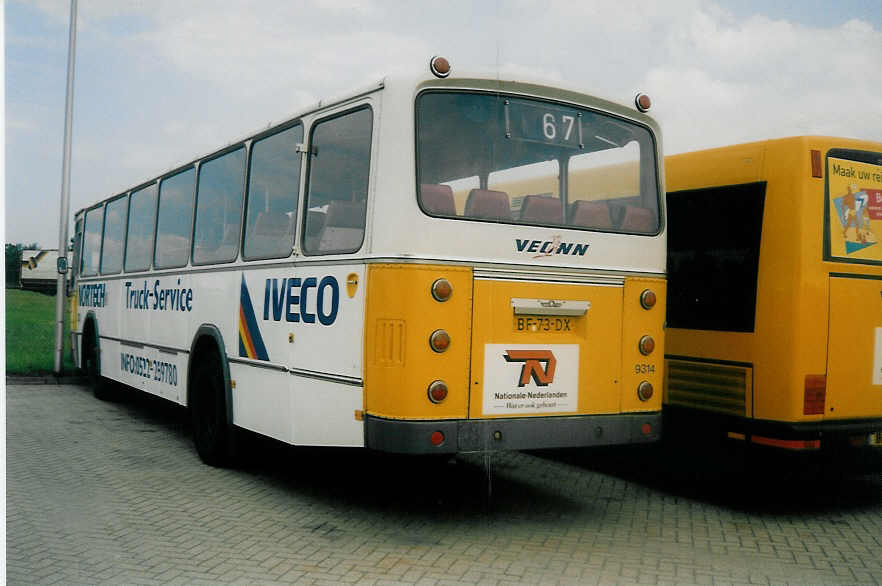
[525,433]
[838,439]
[826,432]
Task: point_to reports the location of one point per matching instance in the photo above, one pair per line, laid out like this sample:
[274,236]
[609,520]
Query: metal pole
[64,215]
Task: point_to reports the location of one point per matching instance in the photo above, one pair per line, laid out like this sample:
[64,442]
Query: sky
[161,82]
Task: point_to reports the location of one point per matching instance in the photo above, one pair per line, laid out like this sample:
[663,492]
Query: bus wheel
[212,433]
[100,386]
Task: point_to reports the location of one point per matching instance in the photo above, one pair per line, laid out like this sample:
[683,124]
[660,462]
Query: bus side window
[92,241]
[142,221]
[114,235]
[175,221]
[219,208]
[338,180]
[273,193]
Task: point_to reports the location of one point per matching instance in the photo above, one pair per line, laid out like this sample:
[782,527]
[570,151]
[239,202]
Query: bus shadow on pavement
[431,486]
[732,476]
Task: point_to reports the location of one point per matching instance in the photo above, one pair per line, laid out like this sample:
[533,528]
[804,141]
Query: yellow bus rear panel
[811,349]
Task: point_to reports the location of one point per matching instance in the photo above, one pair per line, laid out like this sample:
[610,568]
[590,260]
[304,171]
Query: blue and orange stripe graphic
[250,340]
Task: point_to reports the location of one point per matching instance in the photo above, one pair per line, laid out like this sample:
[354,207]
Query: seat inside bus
[344,226]
[541,209]
[488,204]
[271,229]
[315,223]
[437,199]
[638,219]
[590,214]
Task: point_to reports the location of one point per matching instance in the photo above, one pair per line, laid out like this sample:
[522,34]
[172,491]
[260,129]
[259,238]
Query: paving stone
[113,493]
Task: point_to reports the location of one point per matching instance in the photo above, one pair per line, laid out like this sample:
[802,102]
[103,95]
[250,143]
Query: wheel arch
[90,324]
[208,338]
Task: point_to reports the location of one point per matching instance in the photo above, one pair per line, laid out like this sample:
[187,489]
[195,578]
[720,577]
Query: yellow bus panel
[400,364]
[854,362]
[595,337]
[638,322]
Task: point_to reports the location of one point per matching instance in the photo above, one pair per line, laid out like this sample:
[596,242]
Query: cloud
[727,81]
[164,81]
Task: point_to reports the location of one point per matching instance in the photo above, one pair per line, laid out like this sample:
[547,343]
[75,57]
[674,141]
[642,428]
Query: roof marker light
[642,102]
[439,66]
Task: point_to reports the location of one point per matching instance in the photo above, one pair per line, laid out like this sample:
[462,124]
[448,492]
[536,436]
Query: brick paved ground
[113,493]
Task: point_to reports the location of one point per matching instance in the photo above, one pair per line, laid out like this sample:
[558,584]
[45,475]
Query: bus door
[545,348]
[854,352]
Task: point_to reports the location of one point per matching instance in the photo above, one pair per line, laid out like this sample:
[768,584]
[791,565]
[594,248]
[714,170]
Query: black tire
[212,432]
[92,365]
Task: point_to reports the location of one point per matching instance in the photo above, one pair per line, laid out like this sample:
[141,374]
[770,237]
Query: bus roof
[413,83]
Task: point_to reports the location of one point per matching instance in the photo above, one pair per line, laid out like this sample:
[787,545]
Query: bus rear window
[521,161]
[713,257]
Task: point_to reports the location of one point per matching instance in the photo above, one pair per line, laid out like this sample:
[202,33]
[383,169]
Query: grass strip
[30,334]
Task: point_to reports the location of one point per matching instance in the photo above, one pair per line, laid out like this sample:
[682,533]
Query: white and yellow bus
[436,264]
[774,327]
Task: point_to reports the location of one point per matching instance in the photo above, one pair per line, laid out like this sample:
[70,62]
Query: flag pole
[64,215]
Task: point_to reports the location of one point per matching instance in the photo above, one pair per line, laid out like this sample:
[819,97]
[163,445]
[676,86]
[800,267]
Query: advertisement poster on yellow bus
[855,210]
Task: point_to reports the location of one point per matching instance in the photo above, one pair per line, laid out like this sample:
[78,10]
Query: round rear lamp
[644,391]
[647,299]
[442,290]
[437,391]
[439,341]
[439,66]
[646,345]
[437,438]
[642,102]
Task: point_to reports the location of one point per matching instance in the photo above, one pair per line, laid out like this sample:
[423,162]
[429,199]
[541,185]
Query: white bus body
[308,345]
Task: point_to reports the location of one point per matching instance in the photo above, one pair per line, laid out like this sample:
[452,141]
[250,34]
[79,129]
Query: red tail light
[817,170]
[442,290]
[644,391]
[646,345]
[815,394]
[437,391]
[647,299]
[439,341]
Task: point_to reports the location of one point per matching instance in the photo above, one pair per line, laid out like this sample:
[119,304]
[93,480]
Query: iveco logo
[541,248]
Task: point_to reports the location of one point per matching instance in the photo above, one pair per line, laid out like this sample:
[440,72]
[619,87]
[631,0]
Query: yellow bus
[774,316]
[432,264]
